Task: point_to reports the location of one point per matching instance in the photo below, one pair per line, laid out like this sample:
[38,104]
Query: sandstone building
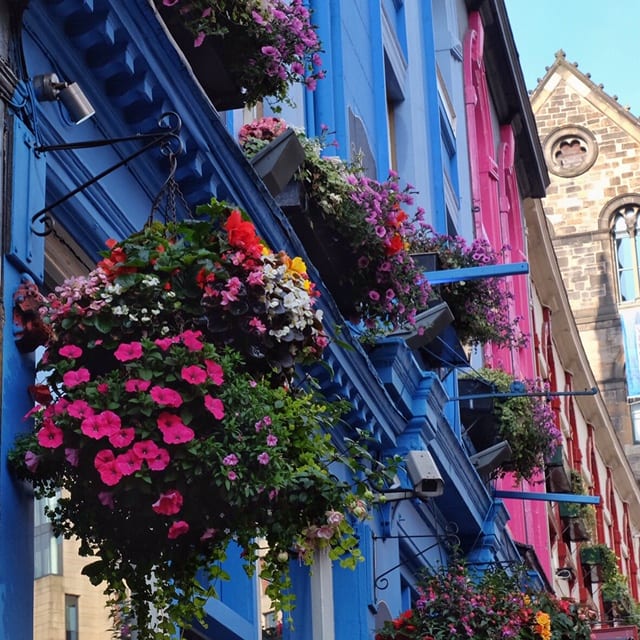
[591,145]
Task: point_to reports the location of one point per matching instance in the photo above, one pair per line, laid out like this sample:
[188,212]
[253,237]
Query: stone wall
[570,110]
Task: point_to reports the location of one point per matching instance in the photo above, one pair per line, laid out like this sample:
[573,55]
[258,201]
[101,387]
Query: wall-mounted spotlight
[49,88]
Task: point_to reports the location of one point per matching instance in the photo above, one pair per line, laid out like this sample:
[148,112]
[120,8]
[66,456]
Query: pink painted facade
[496,207]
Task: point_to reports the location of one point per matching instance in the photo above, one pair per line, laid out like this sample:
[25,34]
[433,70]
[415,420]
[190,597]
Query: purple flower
[230,460]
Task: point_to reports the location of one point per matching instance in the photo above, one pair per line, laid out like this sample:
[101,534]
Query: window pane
[47,549]
[625,258]
[71,617]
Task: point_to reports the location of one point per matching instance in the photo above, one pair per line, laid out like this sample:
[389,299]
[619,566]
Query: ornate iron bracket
[449,537]
[166,137]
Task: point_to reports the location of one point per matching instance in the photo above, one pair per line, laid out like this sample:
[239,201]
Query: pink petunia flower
[168,503]
[122,438]
[109,421]
[160,461]
[263,458]
[165,343]
[74,378]
[191,340]
[168,420]
[103,457]
[214,406]
[232,475]
[109,474]
[135,384]
[214,371]
[177,529]
[193,374]
[93,428]
[166,397]
[146,449]
[70,351]
[103,388]
[178,434]
[50,436]
[128,351]
[80,409]
[128,463]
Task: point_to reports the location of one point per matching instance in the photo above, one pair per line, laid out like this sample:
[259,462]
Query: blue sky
[601,36]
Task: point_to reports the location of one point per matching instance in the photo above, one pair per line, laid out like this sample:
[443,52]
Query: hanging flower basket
[356,231]
[243,51]
[481,308]
[171,419]
[525,422]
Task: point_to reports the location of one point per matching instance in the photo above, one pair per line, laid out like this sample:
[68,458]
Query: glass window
[47,548]
[626,236]
[71,617]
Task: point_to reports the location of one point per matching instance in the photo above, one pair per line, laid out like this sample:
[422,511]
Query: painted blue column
[432,110]
[16,504]
[381,139]
[24,259]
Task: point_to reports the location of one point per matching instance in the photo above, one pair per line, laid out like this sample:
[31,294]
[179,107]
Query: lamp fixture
[49,88]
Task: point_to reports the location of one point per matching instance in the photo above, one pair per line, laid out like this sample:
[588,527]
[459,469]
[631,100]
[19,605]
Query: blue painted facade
[383,90]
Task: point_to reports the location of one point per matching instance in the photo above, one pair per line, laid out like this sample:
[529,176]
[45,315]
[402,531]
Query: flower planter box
[324,246]
[591,556]
[209,61]
[575,528]
[278,161]
[429,261]
[477,414]
[557,478]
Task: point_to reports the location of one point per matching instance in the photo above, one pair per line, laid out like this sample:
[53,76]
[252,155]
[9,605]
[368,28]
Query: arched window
[626,240]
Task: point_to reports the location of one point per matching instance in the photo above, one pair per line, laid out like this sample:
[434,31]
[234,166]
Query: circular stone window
[570,151]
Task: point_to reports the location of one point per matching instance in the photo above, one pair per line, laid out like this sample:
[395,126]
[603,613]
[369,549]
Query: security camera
[424,475]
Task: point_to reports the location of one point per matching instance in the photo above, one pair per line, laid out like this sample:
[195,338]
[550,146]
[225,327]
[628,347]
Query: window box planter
[575,528]
[477,414]
[557,478]
[324,246]
[278,161]
[427,261]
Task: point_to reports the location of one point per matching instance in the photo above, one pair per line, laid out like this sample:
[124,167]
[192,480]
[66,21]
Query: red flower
[40,393]
[396,244]
[241,233]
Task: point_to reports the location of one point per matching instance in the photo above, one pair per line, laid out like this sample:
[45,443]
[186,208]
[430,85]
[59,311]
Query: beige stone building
[592,147]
